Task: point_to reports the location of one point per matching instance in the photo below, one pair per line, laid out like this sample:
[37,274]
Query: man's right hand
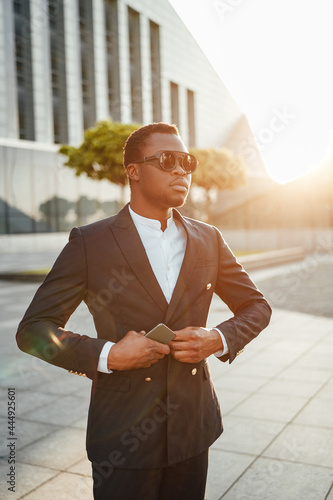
[136,351]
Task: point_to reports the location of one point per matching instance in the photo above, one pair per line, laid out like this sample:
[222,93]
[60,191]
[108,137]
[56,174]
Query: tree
[100,156]
[218,169]
[55,210]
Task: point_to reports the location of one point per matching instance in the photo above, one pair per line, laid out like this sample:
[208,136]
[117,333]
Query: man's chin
[179,201]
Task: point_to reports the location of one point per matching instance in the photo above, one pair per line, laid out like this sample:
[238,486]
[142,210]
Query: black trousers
[183,481]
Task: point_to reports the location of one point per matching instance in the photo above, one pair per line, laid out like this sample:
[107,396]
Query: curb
[23,277]
[272,258]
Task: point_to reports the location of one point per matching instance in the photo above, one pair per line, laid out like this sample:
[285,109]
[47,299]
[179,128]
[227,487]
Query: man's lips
[180,185]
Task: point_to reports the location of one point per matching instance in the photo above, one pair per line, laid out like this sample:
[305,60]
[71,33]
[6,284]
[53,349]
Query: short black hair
[140,137]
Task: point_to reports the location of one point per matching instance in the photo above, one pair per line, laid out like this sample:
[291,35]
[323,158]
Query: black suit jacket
[155,416]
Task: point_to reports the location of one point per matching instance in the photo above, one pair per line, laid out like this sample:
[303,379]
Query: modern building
[65,64]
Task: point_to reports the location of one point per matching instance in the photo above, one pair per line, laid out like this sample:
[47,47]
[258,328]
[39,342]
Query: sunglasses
[168,160]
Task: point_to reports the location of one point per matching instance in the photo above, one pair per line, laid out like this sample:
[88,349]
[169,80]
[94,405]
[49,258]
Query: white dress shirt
[165,251]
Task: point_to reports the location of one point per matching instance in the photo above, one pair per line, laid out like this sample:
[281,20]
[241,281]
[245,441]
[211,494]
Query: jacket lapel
[131,246]
[192,252]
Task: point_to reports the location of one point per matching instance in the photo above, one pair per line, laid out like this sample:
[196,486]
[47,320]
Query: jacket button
[194,371]
[208,286]
[148,379]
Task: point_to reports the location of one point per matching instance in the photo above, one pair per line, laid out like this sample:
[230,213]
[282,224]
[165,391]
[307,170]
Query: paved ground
[305,286]
[276,398]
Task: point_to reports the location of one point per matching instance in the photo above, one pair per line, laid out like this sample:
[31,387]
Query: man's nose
[178,168]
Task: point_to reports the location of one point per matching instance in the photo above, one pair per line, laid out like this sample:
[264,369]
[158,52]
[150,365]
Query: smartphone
[161,333]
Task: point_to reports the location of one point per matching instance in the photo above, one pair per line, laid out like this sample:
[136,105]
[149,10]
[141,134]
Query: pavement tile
[325,347]
[233,381]
[224,470]
[277,356]
[22,372]
[270,479]
[217,368]
[59,450]
[286,344]
[290,388]
[31,400]
[247,435]
[61,411]
[65,486]
[25,400]
[28,477]
[8,325]
[306,444]
[70,384]
[253,369]
[330,495]
[327,391]
[316,360]
[25,432]
[229,399]
[270,406]
[305,374]
[318,412]
[82,467]
[81,423]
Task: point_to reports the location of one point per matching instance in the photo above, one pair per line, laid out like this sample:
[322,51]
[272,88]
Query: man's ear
[133,171]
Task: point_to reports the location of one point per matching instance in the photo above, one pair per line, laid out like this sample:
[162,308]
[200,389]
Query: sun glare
[274,58]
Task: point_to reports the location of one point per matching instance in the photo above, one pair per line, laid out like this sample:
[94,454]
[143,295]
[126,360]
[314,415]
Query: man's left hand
[192,344]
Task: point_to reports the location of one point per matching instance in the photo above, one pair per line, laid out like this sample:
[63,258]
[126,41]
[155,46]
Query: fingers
[185,334]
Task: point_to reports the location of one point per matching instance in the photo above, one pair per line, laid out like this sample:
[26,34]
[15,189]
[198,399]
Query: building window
[191,117]
[112,52]
[58,71]
[87,63]
[174,92]
[135,64]
[155,62]
[24,69]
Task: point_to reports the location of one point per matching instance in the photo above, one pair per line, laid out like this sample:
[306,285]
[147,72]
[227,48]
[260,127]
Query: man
[153,411]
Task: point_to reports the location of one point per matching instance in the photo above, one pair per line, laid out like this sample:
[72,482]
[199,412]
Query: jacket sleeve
[251,310]
[42,330]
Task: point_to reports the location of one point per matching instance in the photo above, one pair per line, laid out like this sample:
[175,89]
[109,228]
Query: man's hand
[192,344]
[135,351]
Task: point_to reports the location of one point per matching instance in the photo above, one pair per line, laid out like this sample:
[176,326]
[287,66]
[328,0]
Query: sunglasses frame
[177,154]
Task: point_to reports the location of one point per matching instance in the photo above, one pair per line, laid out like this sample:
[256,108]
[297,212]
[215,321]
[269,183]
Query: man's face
[158,187]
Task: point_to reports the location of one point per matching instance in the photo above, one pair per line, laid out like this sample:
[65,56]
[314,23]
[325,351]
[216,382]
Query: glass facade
[112,55]
[87,63]
[58,70]
[39,194]
[155,64]
[174,95]
[21,10]
[135,64]
[191,118]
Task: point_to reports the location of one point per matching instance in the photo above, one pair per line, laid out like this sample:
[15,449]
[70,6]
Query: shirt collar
[151,223]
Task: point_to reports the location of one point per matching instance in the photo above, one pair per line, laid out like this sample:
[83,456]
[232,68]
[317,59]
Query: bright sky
[276,59]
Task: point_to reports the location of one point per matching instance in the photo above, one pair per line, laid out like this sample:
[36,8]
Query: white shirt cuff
[103,358]
[225,349]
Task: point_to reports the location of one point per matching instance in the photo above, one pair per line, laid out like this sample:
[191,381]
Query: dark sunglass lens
[189,163]
[168,160]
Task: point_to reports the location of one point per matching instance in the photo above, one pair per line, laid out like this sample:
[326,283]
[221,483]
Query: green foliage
[218,169]
[100,156]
